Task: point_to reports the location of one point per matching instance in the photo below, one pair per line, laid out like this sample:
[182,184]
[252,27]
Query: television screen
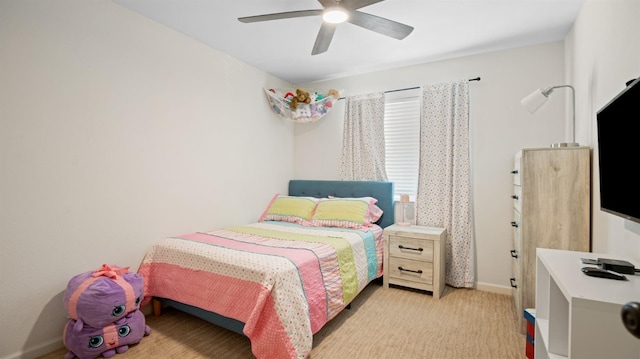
[618,125]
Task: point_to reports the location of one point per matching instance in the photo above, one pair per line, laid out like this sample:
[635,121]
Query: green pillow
[343,212]
[290,209]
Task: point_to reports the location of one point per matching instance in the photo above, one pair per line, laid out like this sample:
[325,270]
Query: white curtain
[444,177]
[363,139]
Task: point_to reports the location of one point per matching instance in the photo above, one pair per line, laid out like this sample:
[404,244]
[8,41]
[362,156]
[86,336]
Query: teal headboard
[382,191]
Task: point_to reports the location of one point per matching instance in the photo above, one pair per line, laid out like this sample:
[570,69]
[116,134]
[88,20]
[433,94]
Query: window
[402,140]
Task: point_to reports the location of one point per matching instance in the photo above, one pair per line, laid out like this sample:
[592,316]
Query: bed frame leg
[157,307]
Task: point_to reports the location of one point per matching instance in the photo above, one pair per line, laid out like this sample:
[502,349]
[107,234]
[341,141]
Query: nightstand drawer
[407,269]
[411,248]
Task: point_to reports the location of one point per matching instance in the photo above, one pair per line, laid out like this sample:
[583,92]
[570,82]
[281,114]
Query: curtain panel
[363,150]
[444,177]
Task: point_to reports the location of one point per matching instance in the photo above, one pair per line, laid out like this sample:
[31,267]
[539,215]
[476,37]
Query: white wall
[499,128]
[604,48]
[116,132]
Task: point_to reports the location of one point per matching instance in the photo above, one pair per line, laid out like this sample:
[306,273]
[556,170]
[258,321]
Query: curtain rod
[417,87]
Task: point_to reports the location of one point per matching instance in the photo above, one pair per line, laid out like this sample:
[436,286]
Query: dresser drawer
[411,270]
[517,198]
[517,169]
[515,265]
[411,248]
[516,224]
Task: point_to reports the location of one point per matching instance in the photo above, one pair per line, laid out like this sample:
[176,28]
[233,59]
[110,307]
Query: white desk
[578,316]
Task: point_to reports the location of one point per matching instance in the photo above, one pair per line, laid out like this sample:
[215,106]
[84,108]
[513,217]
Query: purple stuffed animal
[90,343]
[101,297]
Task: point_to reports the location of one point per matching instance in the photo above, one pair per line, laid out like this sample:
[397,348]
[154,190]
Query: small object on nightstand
[405,211]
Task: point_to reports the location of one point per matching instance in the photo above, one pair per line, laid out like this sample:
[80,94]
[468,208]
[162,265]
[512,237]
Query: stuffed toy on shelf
[301,96]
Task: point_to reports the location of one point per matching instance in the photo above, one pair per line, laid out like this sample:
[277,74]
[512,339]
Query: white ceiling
[443,29]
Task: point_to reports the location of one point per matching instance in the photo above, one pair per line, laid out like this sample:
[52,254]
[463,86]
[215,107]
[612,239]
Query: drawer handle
[514,224]
[419,271]
[409,248]
[514,197]
[513,280]
[515,172]
[514,253]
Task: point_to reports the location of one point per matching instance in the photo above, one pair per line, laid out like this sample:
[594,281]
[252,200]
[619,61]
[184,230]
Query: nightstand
[414,257]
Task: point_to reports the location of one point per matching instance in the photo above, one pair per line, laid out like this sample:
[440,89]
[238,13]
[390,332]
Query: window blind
[402,140]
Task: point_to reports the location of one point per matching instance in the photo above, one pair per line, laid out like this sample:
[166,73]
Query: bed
[280,280]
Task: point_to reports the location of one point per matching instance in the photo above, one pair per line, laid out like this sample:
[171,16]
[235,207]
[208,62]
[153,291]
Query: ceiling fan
[335,12]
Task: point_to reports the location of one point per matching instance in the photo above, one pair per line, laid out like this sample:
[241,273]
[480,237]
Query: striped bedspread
[283,280]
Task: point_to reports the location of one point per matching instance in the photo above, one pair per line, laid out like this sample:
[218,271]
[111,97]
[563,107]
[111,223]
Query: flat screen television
[618,125]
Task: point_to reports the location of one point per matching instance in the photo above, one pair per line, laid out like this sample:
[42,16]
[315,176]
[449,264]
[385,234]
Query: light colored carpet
[382,323]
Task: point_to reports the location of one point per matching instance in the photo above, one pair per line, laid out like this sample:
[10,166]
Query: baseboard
[38,351]
[500,289]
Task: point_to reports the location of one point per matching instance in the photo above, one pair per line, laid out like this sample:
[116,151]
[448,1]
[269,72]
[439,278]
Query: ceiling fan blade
[357,4]
[348,4]
[325,35]
[380,25]
[280,15]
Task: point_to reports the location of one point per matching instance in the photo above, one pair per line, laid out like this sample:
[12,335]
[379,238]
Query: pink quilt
[284,281]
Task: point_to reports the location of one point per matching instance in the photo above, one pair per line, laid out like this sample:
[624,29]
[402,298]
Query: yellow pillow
[290,209]
[343,212]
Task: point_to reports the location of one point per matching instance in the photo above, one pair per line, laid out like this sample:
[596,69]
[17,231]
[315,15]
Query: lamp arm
[548,91]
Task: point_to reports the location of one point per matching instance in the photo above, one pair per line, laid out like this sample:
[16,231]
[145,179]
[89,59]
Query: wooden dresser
[414,256]
[551,209]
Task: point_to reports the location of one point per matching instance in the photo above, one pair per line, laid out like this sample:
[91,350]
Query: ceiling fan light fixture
[335,15]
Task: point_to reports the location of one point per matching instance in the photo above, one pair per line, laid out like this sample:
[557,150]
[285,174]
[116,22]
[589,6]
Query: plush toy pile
[301,105]
[103,307]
